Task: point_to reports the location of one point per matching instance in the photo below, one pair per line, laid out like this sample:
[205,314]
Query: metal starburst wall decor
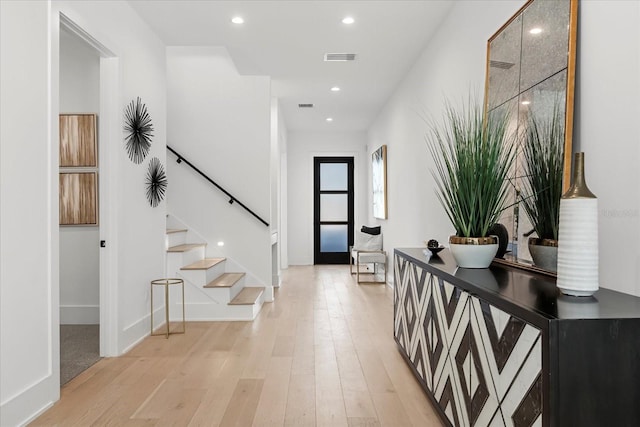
[139,130]
[156,182]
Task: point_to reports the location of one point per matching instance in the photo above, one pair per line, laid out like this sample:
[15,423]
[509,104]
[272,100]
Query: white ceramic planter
[473,256]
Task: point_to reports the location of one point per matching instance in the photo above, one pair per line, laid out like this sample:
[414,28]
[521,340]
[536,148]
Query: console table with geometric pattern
[502,347]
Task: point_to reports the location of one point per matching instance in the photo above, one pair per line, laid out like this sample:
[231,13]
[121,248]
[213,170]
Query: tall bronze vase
[578,236]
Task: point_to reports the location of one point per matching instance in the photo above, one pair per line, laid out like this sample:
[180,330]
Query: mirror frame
[569,99]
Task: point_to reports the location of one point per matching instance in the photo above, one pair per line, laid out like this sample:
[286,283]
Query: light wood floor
[322,354]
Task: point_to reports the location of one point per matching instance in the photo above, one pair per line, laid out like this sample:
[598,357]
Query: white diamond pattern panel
[505,353]
[418,290]
[450,313]
[484,404]
[522,405]
[420,344]
[399,295]
[412,296]
[482,365]
[478,402]
[448,394]
[450,323]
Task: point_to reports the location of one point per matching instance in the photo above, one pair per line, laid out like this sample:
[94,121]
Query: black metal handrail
[232,199]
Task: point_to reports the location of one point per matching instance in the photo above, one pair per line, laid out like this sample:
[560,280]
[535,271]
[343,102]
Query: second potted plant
[542,152]
[473,157]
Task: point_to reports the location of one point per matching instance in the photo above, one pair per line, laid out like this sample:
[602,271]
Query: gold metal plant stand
[166,283]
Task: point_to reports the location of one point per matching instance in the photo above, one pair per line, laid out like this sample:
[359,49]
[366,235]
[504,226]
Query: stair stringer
[251,280]
[209,304]
[214,251]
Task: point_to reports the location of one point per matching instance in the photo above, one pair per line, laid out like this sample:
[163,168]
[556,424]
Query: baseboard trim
[79,314]
[30,403]
[137,331]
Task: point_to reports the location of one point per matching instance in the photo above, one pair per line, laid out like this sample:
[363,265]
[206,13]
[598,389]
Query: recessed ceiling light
[237,20]
[220,243]
[348,20]
[526,102]
[329,119]
[536,30]
[335,89]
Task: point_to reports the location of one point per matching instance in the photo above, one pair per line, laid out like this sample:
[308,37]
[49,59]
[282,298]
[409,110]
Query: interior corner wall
[278,188]
[605,125]
[28,266]
[79,249]
[283,192]
[302,147]
[221,122]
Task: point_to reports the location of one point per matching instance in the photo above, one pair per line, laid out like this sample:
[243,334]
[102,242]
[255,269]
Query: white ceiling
[287,40]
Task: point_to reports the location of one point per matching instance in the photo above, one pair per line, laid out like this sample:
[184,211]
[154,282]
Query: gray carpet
[79,349]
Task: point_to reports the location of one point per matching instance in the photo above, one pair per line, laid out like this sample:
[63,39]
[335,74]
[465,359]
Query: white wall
[283,235]
[605,124]
[28,265]
[451,65]
[302,147]
[220,121]
[79,250]
[136,237]
[29,337]
[278,188]
[606,129]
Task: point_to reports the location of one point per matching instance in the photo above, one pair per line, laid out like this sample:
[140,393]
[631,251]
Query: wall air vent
[501,64]
[339,56]
[305,105]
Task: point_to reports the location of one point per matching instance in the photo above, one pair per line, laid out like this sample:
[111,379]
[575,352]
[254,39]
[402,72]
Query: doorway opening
[333,209]
[79,105]
[88,81]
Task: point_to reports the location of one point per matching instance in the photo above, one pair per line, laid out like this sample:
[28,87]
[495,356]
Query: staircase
[211,293]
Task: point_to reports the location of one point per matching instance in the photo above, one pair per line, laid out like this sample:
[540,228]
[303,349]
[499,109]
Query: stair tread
[186,247]
[247,296]
[176,230]
[203,264]
[225,280]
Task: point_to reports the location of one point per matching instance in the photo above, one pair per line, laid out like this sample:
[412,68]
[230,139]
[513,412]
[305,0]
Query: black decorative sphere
[433,243]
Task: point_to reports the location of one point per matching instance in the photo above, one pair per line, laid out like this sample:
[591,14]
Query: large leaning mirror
[530,74]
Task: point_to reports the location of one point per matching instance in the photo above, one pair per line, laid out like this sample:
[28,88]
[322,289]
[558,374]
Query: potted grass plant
[542,153]
[473,157]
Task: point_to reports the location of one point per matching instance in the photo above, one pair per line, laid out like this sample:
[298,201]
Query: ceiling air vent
[501,64]
[305,105]
[339,56]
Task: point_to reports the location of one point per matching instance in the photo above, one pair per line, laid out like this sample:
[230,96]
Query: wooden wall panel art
[78,147]
[79,198]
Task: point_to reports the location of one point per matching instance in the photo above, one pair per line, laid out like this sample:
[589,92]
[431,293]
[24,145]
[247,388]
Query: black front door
[333,209]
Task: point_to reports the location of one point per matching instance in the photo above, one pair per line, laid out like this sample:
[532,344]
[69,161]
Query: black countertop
[525,294]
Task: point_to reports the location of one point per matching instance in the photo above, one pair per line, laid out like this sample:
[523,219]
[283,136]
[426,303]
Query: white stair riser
[177,260]
[258,305]
[236,288]
[202,277]
[193,255]
[175,239]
